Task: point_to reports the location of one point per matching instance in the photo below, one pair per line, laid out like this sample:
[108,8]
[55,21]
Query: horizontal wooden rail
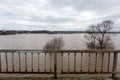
[59,51]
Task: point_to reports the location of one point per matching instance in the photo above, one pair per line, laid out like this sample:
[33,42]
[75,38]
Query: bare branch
[55,44]
[99,40]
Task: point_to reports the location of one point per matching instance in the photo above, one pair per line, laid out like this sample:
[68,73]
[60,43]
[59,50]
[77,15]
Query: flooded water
[37,41]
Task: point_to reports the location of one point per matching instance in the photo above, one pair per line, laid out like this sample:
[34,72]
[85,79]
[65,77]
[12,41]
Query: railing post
[55,65]
[0,61]
[114,70]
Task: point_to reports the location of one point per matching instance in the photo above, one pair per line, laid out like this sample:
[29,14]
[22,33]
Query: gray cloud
[85,4]
[52,19]
[57,14]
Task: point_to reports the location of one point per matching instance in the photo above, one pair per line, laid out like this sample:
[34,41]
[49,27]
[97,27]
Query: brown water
[37,41]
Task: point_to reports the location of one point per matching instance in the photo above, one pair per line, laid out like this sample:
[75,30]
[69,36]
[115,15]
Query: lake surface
[37,41]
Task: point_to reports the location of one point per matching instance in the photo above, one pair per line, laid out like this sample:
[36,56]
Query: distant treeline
[8,32]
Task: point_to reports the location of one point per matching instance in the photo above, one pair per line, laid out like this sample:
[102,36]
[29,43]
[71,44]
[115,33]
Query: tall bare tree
[55,44]
[97,37]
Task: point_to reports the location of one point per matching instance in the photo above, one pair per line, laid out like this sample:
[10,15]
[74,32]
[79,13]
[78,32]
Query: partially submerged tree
[97,37]
[55,44]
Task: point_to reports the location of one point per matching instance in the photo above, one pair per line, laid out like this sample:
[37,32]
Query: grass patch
[37,78]
[47,78]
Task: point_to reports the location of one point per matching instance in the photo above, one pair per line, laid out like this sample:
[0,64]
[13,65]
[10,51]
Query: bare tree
[55,44]
[97,37]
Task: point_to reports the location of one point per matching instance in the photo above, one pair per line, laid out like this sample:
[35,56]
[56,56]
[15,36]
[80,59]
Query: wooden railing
[59,61]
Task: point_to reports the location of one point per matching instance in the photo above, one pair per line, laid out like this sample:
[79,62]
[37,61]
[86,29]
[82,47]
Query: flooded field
[45,62]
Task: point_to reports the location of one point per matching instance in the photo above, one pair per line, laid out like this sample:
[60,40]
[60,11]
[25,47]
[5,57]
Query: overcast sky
[57,14]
